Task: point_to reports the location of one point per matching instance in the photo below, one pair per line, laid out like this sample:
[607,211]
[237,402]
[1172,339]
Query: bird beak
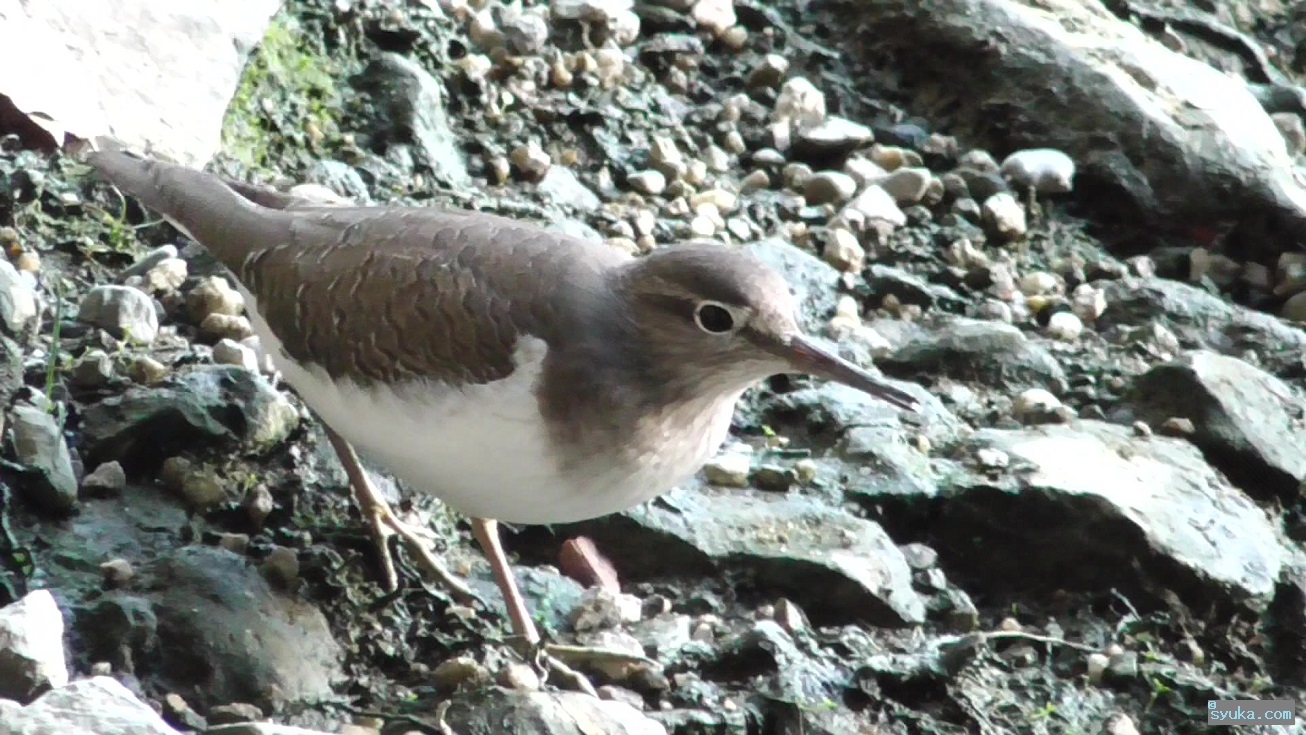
[805,356]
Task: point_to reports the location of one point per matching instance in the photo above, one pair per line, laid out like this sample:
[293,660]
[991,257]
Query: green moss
[286,99]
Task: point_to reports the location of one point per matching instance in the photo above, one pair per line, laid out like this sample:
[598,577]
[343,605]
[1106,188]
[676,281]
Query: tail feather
[197,203]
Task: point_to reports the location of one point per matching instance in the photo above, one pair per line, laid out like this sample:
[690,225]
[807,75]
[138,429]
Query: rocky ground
[1094,526]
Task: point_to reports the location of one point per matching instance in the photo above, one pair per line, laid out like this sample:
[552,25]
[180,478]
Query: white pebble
[1005,216]
[1048,170]
[1038,283]
[1065,326]
[729,469]
[1033,403]
[1088,302]
[800,102]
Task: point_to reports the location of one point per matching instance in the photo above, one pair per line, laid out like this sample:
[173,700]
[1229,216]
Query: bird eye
[714,318]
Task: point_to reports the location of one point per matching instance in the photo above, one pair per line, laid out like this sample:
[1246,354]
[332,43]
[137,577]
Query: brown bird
[517,374]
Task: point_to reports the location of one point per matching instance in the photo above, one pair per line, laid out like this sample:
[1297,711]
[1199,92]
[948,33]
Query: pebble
[453,672]
[702,226]
[799,103]
[117,573]
[714,15]
[94,369]
[892,157]
[526,33]
[219,326]
[167,276]
[234,713]
[236,543]
[531,160]
[519,676]
[281,568]
[833,136]
[31,638]
[1034,406]
[993,459]
[1065,326]
[214,295]
[1047,170]
[769,72]
[1088,302]
[109,479]
[258,504]
[203,491]
[230,352]
[1096,664]
[1004,216]
[907,185]
[790,616]
[148,261]
[1121,724]
[843,251]
[1178,426]
[147,371]
[28,262]
[649,182]
[825,187]
[755,181]
[1039,283]
[1294,309]
[978,160]
[729,469]
[123,311]
[872,205]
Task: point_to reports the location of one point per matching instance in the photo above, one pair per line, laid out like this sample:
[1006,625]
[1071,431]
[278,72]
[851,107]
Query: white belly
[484,449]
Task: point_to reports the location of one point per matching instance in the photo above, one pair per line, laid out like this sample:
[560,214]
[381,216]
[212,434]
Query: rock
[826,187]
[500,710]
[148,261]
[873,205]
[107,480]
[907,185]
[95,706]
[228,636]
[1248,423]
[125,312]
[94,369]
[814,282]
[117,573]
[843,251]
[214,295]
[832,137]
[148,371]
[18,304]
[167,276]
[729,469]
[263,728]
[231,352]
[407,107]
[31,647]
[989,353]
[40,446]
[204,405]
[1046,170]
[1065,326]
[1004,216]
[1154,507]
[226,326]
[800,102]
[650,182]
[1035,406]
[714,15]
[561,187]
[838,567]
[1202,320]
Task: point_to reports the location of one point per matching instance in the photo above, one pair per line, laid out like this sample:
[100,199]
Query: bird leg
[385,524]
[557,658]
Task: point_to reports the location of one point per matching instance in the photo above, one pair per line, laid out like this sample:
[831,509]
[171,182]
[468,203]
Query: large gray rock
[123,311]
[500,711]
[1090,506]
[207,624]
[988,353]
[31,647]
[1248,423]
[96,706]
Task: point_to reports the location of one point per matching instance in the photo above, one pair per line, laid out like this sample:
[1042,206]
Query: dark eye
[714,318]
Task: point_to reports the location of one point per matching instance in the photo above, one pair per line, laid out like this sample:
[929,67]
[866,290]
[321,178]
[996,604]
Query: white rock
[1097,665]
[591,10]
[649,182]
[907,185]
[993,459]
[1033,403]
[1048,170]
[873,204]
[843,251]
[1005,216]
[31,647]
[18,306]
[729,469]
[1088,302]
[214,295]
[1065,326]
[800,103]
[230,352]
[714,15]
[95,706]
[1038,283]
[167,275]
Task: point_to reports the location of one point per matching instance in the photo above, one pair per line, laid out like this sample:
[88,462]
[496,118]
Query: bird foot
[385,525]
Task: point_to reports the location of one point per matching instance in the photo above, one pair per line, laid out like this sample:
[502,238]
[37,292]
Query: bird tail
[199,204]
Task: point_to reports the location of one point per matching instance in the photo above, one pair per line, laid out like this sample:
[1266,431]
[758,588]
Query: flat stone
[40,446]
[123,311]
[988,353]
[499,710]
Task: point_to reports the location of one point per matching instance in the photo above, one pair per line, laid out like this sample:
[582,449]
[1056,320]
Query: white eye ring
[715,317]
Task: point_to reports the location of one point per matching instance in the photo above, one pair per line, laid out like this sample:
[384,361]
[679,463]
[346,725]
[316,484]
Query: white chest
[485,450]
